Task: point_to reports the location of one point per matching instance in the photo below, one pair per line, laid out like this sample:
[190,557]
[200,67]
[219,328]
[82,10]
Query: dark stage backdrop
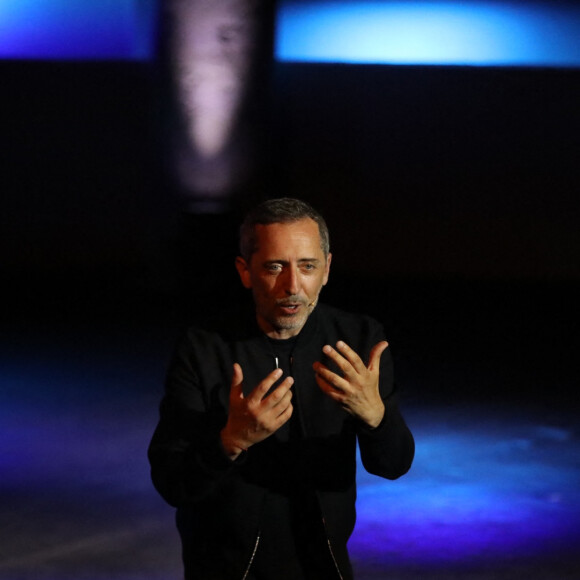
[468,172]
[462,171]
[451,194]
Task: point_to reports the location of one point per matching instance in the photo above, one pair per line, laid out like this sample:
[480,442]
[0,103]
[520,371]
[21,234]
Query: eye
[308,267]
[274,268]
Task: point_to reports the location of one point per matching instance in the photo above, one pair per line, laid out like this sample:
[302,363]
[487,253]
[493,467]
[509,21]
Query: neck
[282,333]
[278,333]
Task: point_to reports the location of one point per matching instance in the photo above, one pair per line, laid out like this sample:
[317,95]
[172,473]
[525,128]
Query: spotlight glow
[431,32]
[212,48]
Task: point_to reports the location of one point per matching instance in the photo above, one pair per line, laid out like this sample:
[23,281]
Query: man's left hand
[357,390]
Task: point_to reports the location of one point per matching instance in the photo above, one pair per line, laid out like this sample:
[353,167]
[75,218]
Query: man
[257,437]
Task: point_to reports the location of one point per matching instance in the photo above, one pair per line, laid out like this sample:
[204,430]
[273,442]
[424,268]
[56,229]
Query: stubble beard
[289,322]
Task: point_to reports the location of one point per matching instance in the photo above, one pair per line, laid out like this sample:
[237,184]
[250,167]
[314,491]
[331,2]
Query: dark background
[450,192]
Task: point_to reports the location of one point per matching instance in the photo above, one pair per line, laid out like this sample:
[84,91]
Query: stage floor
[494,491]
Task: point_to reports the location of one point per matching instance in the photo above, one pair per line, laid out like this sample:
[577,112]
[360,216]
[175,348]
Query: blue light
[432,33]
[79,29]
[484,33]
[488,486]
[475,494]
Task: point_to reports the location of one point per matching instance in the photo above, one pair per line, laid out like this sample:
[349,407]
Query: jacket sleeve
[186,455]
[387,450]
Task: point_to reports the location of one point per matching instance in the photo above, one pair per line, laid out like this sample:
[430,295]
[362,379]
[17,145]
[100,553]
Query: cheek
[314,286]
[264,288]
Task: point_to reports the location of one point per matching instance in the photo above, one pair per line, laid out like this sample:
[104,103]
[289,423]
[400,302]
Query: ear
[327,269]
[244,272]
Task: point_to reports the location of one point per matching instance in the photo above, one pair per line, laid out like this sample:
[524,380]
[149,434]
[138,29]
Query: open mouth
[289,308]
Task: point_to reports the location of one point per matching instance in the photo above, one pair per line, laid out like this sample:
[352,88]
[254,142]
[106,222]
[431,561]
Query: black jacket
[218,500]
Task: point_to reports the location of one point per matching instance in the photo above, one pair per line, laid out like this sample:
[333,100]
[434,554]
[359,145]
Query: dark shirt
[220,503]
[292,540]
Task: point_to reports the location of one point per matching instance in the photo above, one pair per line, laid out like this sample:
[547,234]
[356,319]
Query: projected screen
[474,32]
[480,33]
[77,29]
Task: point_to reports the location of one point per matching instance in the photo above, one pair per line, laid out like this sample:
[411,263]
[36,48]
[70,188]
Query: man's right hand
[254,418]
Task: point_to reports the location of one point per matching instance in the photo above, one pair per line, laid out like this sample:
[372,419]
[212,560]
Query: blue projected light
[434,33]
[507,33]
[76,29]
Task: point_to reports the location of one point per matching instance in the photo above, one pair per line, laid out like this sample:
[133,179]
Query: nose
[292,281]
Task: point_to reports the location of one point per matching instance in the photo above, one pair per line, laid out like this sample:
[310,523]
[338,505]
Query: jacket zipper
[247,571]
[340,576]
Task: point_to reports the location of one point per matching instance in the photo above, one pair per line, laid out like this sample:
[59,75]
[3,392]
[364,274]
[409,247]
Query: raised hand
[357,390]
[253,418]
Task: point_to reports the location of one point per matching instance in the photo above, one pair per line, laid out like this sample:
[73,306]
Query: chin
[291,323]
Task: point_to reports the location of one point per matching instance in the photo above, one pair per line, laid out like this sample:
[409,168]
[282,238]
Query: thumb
[376,352]
[237,380]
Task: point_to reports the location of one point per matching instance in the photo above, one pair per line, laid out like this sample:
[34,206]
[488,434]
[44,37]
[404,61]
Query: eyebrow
[286,262]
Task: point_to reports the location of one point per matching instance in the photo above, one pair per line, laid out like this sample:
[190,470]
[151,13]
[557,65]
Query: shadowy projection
[212,49]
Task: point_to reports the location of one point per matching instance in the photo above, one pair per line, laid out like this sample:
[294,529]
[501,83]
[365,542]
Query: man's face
[286,273]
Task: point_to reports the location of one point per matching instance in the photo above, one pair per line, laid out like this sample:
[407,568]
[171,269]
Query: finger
[279,394]
[238,375]
[237,380]
[284,415]
[265,385]
[283,404]
[376,352]
[330,390]
[332,379]
[273,416]
[341,362]
[351,356]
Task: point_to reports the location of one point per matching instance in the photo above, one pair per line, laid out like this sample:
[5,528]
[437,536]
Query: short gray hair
[276,211]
